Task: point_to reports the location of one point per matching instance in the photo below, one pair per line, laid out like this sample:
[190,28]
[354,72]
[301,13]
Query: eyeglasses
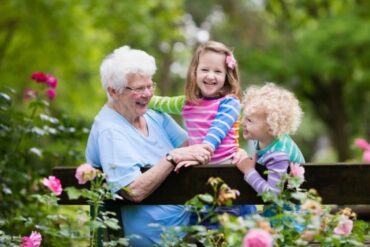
[141,90]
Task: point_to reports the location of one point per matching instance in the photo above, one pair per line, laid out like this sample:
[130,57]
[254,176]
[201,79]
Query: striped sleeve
[171,105]
[227,115]
[277,164]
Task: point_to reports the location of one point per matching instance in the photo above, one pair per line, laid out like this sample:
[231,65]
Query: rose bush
[34,138]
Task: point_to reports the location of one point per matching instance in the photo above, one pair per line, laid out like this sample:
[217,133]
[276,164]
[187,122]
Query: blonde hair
[282,109]
[231,86]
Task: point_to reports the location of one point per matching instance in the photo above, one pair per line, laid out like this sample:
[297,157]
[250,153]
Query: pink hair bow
[230,61]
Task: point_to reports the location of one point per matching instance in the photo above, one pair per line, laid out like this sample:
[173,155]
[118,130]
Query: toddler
[270,114]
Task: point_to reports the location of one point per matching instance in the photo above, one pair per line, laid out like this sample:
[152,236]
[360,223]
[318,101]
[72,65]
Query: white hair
[123,61]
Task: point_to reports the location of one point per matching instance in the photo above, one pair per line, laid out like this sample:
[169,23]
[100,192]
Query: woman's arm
[171,105]
[146,183]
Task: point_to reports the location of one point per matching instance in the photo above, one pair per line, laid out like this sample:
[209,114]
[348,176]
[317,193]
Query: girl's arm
[276,163]
[171,105]
[225,119]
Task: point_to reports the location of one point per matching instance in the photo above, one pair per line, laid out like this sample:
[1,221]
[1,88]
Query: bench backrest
[338,183]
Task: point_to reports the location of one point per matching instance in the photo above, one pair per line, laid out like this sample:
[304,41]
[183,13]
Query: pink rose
[366,156]
[257,238]
[85,173]
[230,61]
[39,77]
[51,81]
[29,93]
[296,170]
[51,93]
[344,226]
[362,143]
[53,184]
[34,240]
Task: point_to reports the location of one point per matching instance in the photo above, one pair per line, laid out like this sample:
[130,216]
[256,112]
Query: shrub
[298,219]
[33,140]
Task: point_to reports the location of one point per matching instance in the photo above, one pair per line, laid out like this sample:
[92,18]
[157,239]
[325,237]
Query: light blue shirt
[121,150]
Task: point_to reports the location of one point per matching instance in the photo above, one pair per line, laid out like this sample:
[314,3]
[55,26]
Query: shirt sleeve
[227,115]
[175,133]
[117,162]
[277,164]
[171,105]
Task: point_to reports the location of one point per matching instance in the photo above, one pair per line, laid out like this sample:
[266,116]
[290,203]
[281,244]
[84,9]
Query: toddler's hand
[239,156]
[247,164]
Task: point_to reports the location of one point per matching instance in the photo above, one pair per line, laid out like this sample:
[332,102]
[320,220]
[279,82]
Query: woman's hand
[200,152]
[247,164]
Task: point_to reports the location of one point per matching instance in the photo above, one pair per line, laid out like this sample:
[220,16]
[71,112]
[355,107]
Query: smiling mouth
[210,83]
[142,104]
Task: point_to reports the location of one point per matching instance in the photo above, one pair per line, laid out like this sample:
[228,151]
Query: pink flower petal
[29,93]
[362,143]
[34,240]
[85,173]
[53,184]
[51,93]
[51,81]
[257,238]
[39,77]
[366,157]
[344,227]
[296,170]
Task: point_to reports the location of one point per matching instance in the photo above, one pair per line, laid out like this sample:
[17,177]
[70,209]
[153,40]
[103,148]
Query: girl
[210,108]
[211,105]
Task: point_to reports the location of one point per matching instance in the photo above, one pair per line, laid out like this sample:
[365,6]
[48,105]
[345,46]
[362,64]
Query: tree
[325,48]
[316,48]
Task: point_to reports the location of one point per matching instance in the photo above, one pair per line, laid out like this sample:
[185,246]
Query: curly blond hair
[282,109]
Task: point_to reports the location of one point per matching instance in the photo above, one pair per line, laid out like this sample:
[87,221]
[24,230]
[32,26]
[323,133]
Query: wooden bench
[339,183]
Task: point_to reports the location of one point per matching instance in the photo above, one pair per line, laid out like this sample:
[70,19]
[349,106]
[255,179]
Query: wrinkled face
[134,99]
[211,73]
[255,126]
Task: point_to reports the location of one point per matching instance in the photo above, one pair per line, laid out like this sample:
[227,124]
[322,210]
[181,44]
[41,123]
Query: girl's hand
[199,153]
[186,163]
[239,156]
[247,164]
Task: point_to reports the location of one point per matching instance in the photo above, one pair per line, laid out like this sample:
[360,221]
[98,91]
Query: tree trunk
[328,105]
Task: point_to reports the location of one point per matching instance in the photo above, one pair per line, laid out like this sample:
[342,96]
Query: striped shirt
[211,121]
[276,158]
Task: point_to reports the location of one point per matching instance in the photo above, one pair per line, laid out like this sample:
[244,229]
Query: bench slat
[338,183]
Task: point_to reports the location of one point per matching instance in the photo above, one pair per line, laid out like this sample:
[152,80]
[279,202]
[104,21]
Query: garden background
[319,49]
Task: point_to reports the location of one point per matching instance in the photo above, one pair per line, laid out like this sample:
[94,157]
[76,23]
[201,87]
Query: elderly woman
[126,137]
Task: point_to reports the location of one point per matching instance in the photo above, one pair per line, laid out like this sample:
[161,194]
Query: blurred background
[319,49]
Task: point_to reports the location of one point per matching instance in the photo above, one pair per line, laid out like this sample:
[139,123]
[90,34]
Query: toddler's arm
[277,164]
[227,115]
[171,105]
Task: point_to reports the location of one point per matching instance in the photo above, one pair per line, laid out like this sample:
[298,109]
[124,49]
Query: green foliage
[288,225]
[97,193]
[31,144]
[70,39]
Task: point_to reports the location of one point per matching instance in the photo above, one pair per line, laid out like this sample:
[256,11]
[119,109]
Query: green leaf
[73,193]
[207,198]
